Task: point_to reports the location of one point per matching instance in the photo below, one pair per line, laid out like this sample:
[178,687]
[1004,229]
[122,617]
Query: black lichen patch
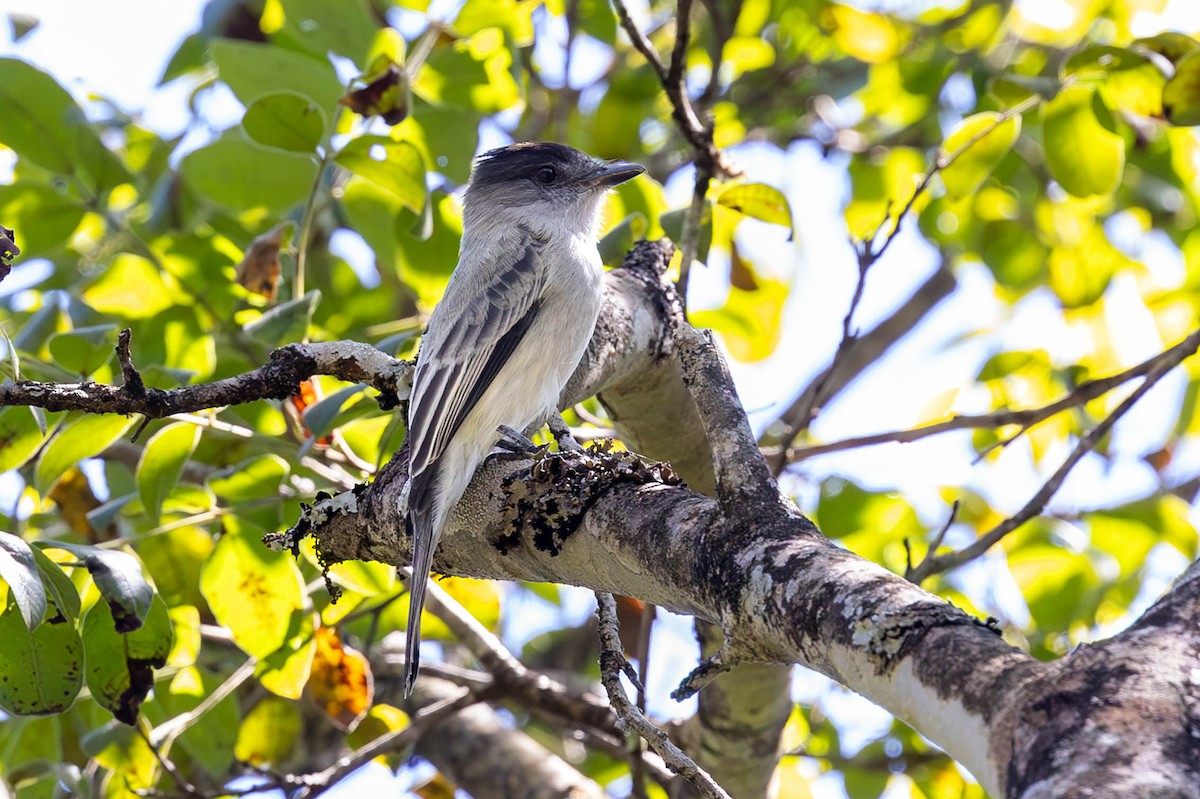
[552,498]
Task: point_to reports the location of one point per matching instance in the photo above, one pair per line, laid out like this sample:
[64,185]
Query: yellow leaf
[870,38]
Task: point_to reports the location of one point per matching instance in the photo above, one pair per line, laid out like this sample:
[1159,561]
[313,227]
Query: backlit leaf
[392,165]
[268,732]
[1085,154]
[757,200]
[1181,95]
[252,590]
[78,439]
[341,682]
[162,462]
[20,436]
[975,163]
[285,120]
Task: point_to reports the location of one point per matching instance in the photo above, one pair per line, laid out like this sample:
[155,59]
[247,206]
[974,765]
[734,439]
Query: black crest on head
[524,160]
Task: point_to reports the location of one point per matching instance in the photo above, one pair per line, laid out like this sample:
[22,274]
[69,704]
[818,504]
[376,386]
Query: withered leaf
[259,269]
[385,95]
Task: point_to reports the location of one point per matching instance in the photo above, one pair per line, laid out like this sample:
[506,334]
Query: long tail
[420,524]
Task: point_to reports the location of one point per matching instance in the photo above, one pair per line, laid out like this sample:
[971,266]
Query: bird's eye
[546,175]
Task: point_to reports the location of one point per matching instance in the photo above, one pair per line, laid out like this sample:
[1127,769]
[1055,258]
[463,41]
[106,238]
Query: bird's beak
[614,173]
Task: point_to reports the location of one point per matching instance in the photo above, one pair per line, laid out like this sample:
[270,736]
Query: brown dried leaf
[259,270]
[341,683]
[385,95]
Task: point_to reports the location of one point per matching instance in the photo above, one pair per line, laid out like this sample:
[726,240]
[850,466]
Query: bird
[511,328]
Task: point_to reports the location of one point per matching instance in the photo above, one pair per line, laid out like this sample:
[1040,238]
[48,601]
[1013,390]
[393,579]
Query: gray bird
[512,326]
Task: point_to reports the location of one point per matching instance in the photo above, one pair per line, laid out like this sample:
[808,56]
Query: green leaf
[130,287]
[120,665]
[268,732]
[1127,79]
[620,240]
[45,218]
[253,478]
[1100,60]
[1054,583]
[392,165]
[118,578]
[1171,45]
[78,439]
[1181,95]
[59,588]
[252,590]
[318,418]
[210,740]
[20,436]
[750,321]
[285,322]
[759,201]
[84,349]
[672,225]
[346,28]
[234,172]
[1085,154]
[475,73]
[285,671]
[41,671]
[162,462]
[173,559]
[285,120]
[971,168]
[20,571]
[252,70]
[43,123]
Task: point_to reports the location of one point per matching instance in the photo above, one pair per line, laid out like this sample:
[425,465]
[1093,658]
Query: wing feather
[467,345]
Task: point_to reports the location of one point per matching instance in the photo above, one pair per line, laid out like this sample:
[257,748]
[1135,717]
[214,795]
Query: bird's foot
[515,441]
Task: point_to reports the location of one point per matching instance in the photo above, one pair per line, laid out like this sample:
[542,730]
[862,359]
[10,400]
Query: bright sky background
[117,48]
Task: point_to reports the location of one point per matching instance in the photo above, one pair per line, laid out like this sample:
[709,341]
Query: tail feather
[420,525]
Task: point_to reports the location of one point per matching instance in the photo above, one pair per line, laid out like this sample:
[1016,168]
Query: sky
[118,49]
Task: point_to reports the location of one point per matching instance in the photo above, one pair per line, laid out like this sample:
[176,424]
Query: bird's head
[549,188]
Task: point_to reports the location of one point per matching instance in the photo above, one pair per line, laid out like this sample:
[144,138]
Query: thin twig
[934,545]
[317,784]
[310,209]
[612,665]
[935,564]
[868,254]
[185,787]
[1027,418]
[708,159]
[175,725]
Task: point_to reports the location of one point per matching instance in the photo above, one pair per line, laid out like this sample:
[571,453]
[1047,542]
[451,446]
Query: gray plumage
[511,328]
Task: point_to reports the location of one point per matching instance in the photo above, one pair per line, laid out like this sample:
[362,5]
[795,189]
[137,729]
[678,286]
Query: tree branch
[1026,418]
[935,563]
[348,360]
[612,665]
